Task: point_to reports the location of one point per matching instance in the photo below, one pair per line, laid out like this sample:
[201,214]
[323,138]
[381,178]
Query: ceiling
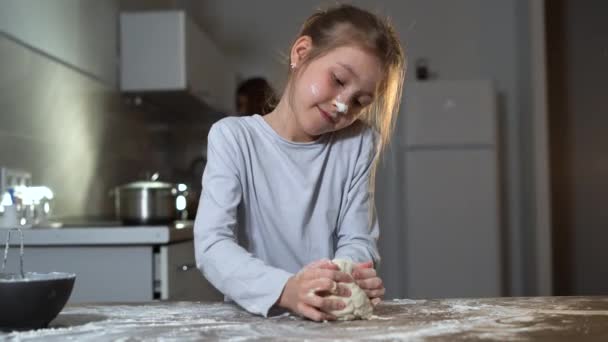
[252,34]
[253,27]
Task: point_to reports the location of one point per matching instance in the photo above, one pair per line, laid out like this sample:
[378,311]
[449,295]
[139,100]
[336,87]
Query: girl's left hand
[365,276]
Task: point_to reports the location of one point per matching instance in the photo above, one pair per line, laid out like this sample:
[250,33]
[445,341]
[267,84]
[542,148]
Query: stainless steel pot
[148,202]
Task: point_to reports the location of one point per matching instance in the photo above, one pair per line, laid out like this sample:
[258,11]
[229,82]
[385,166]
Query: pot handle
[154,176]
[181,201]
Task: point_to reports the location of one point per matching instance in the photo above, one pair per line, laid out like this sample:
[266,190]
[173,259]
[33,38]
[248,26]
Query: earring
[293,65]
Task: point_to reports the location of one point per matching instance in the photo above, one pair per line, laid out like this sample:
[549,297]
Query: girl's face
[331,92]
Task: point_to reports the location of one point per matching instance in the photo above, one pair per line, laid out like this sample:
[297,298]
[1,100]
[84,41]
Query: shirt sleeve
[229,267]
[358,231]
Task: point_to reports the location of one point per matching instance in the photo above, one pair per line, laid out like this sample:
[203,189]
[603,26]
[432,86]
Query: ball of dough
[358,305]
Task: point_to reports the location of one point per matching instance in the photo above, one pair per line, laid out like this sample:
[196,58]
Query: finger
[379,293]
[342,277]
[330,274]
[343,291]
[320,285]
[328,305]
[339,290]
[324,304]
[328,317]
[376,301]
[363,273]
[367,264]
[322,263]
[370,283]
[330,266]
[314,314]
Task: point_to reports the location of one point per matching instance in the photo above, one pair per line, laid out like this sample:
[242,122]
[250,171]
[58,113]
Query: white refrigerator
[438,196]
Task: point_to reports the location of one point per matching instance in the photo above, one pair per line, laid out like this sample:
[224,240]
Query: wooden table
[500,319]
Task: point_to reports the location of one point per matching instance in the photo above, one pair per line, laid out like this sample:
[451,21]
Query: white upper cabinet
[79,34]
[165,51]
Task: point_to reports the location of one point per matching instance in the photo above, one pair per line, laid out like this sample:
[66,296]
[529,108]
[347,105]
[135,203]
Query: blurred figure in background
[255,96]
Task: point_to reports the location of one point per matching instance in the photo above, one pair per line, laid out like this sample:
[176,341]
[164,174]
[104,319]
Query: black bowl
[33,302]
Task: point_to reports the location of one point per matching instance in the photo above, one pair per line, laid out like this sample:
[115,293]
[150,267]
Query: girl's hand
[365,276]
[305,292]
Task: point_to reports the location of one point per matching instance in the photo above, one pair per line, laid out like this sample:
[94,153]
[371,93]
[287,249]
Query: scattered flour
[402,319]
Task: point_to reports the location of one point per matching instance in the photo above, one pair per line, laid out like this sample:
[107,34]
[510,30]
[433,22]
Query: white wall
[62,118]
[465,39]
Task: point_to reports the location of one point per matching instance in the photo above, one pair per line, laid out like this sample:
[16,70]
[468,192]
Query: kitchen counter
[535,318]
[106,233]
[143,263]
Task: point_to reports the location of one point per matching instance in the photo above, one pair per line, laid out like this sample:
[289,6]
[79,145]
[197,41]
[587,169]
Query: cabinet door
[448,113]
[81,34]
[103,273]
[153,49]
[452,238]
[179,277]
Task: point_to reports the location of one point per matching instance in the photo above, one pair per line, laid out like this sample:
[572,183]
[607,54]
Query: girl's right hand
[305,293]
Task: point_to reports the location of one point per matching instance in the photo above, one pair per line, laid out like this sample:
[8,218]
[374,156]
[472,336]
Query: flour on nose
[341,106]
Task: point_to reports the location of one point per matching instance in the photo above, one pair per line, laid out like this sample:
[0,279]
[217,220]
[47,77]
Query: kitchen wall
[578,85]
[96,141]
[62,117]
[69,130]
[465,39]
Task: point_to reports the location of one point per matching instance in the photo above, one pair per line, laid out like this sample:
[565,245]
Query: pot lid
[147,185]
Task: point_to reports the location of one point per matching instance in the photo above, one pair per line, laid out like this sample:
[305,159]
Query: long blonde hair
[347,25]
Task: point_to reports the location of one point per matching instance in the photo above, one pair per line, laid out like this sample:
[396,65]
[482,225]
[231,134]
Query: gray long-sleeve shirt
[270,206]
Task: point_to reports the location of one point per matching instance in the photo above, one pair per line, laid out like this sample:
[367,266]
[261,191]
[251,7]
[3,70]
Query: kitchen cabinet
[118,264]
[164,51]
[176,276]
[81,35]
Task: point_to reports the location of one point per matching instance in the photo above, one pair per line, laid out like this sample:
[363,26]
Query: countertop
[105,233]
[500,319]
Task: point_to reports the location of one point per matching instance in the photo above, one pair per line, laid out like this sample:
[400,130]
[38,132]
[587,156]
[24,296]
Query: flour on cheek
[314,90]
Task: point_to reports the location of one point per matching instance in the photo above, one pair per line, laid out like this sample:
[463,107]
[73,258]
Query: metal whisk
[6,246]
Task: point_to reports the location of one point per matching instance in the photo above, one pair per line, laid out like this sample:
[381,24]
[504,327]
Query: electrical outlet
[10,178]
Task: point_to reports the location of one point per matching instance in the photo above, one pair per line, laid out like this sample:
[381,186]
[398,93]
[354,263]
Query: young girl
[297,183]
